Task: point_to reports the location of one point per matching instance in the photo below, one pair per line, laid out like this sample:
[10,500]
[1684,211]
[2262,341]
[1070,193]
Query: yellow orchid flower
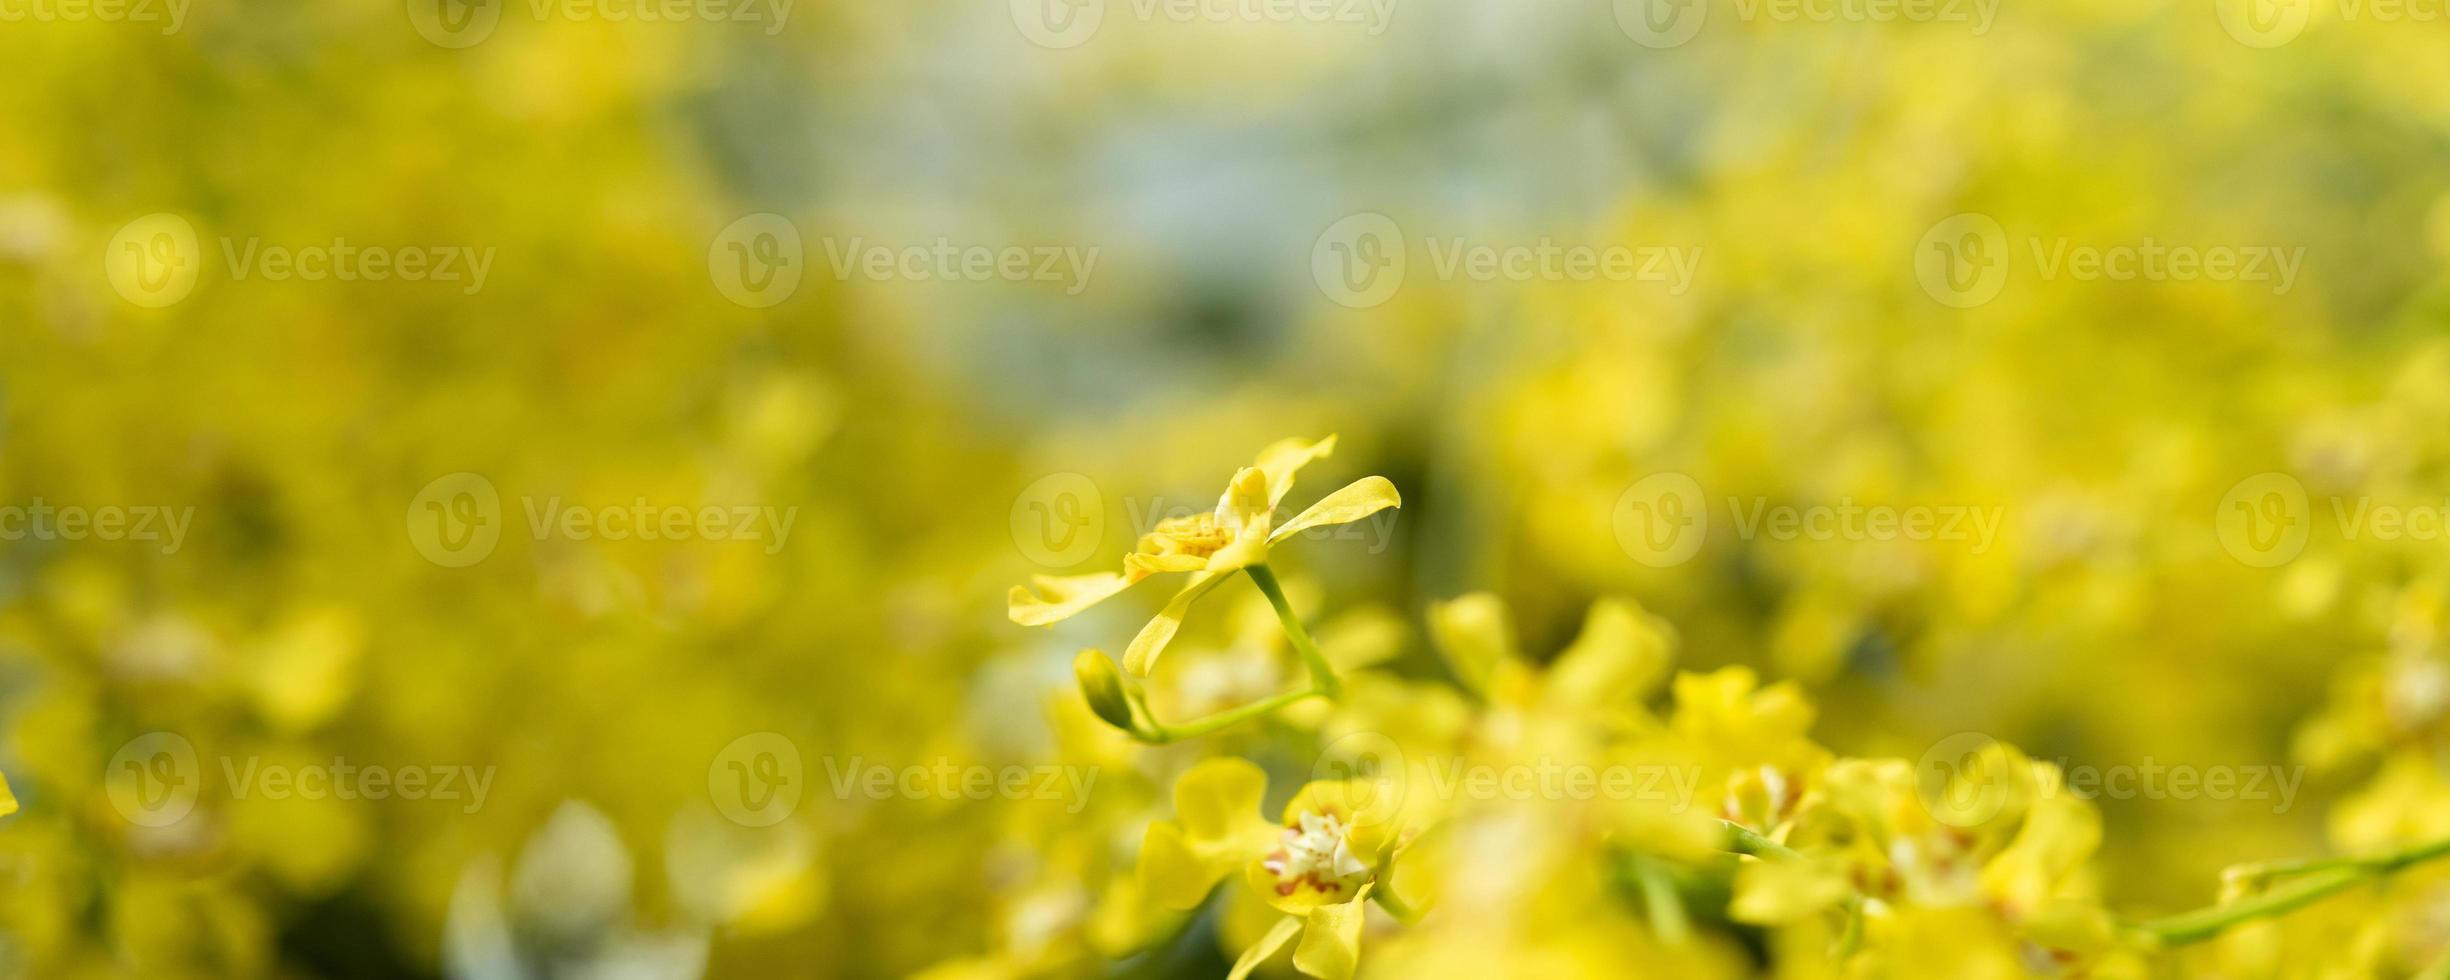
[1319,866]
[1211,545]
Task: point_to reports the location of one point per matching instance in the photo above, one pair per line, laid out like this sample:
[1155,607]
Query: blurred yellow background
[633,414]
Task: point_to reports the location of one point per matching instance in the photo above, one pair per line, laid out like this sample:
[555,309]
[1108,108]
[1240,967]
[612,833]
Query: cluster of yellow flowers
[1514,813]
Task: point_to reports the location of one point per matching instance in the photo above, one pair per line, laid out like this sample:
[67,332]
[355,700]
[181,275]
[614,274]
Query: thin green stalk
[2270,871]
[1322,675]
[2311,881]
[1852,940]
[1659,900]
[2205,923]
[1742,840]
[1159,734]
[1384,895]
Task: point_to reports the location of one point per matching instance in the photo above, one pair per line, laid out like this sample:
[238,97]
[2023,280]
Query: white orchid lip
[1317,851]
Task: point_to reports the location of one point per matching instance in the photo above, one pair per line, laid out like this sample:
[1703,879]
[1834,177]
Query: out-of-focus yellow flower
[1476,633]
[1892,856]
[1211,545]
[1217,829]
[1319,866]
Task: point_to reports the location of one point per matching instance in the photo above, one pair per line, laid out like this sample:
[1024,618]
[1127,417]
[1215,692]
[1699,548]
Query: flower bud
[1102,687]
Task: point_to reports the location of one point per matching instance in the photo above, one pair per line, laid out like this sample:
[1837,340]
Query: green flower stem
[2309,881]
[2205,923]
[1385,897]
[1852,939]
[2375,863]
[1660,901]
[1322,675]
[2325,878]
[1158,734]
[1742,840]
[2270,871]
[1323,680]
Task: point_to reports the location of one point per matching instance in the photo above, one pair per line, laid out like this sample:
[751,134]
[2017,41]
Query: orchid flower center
[1198,535]
[1316,851]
